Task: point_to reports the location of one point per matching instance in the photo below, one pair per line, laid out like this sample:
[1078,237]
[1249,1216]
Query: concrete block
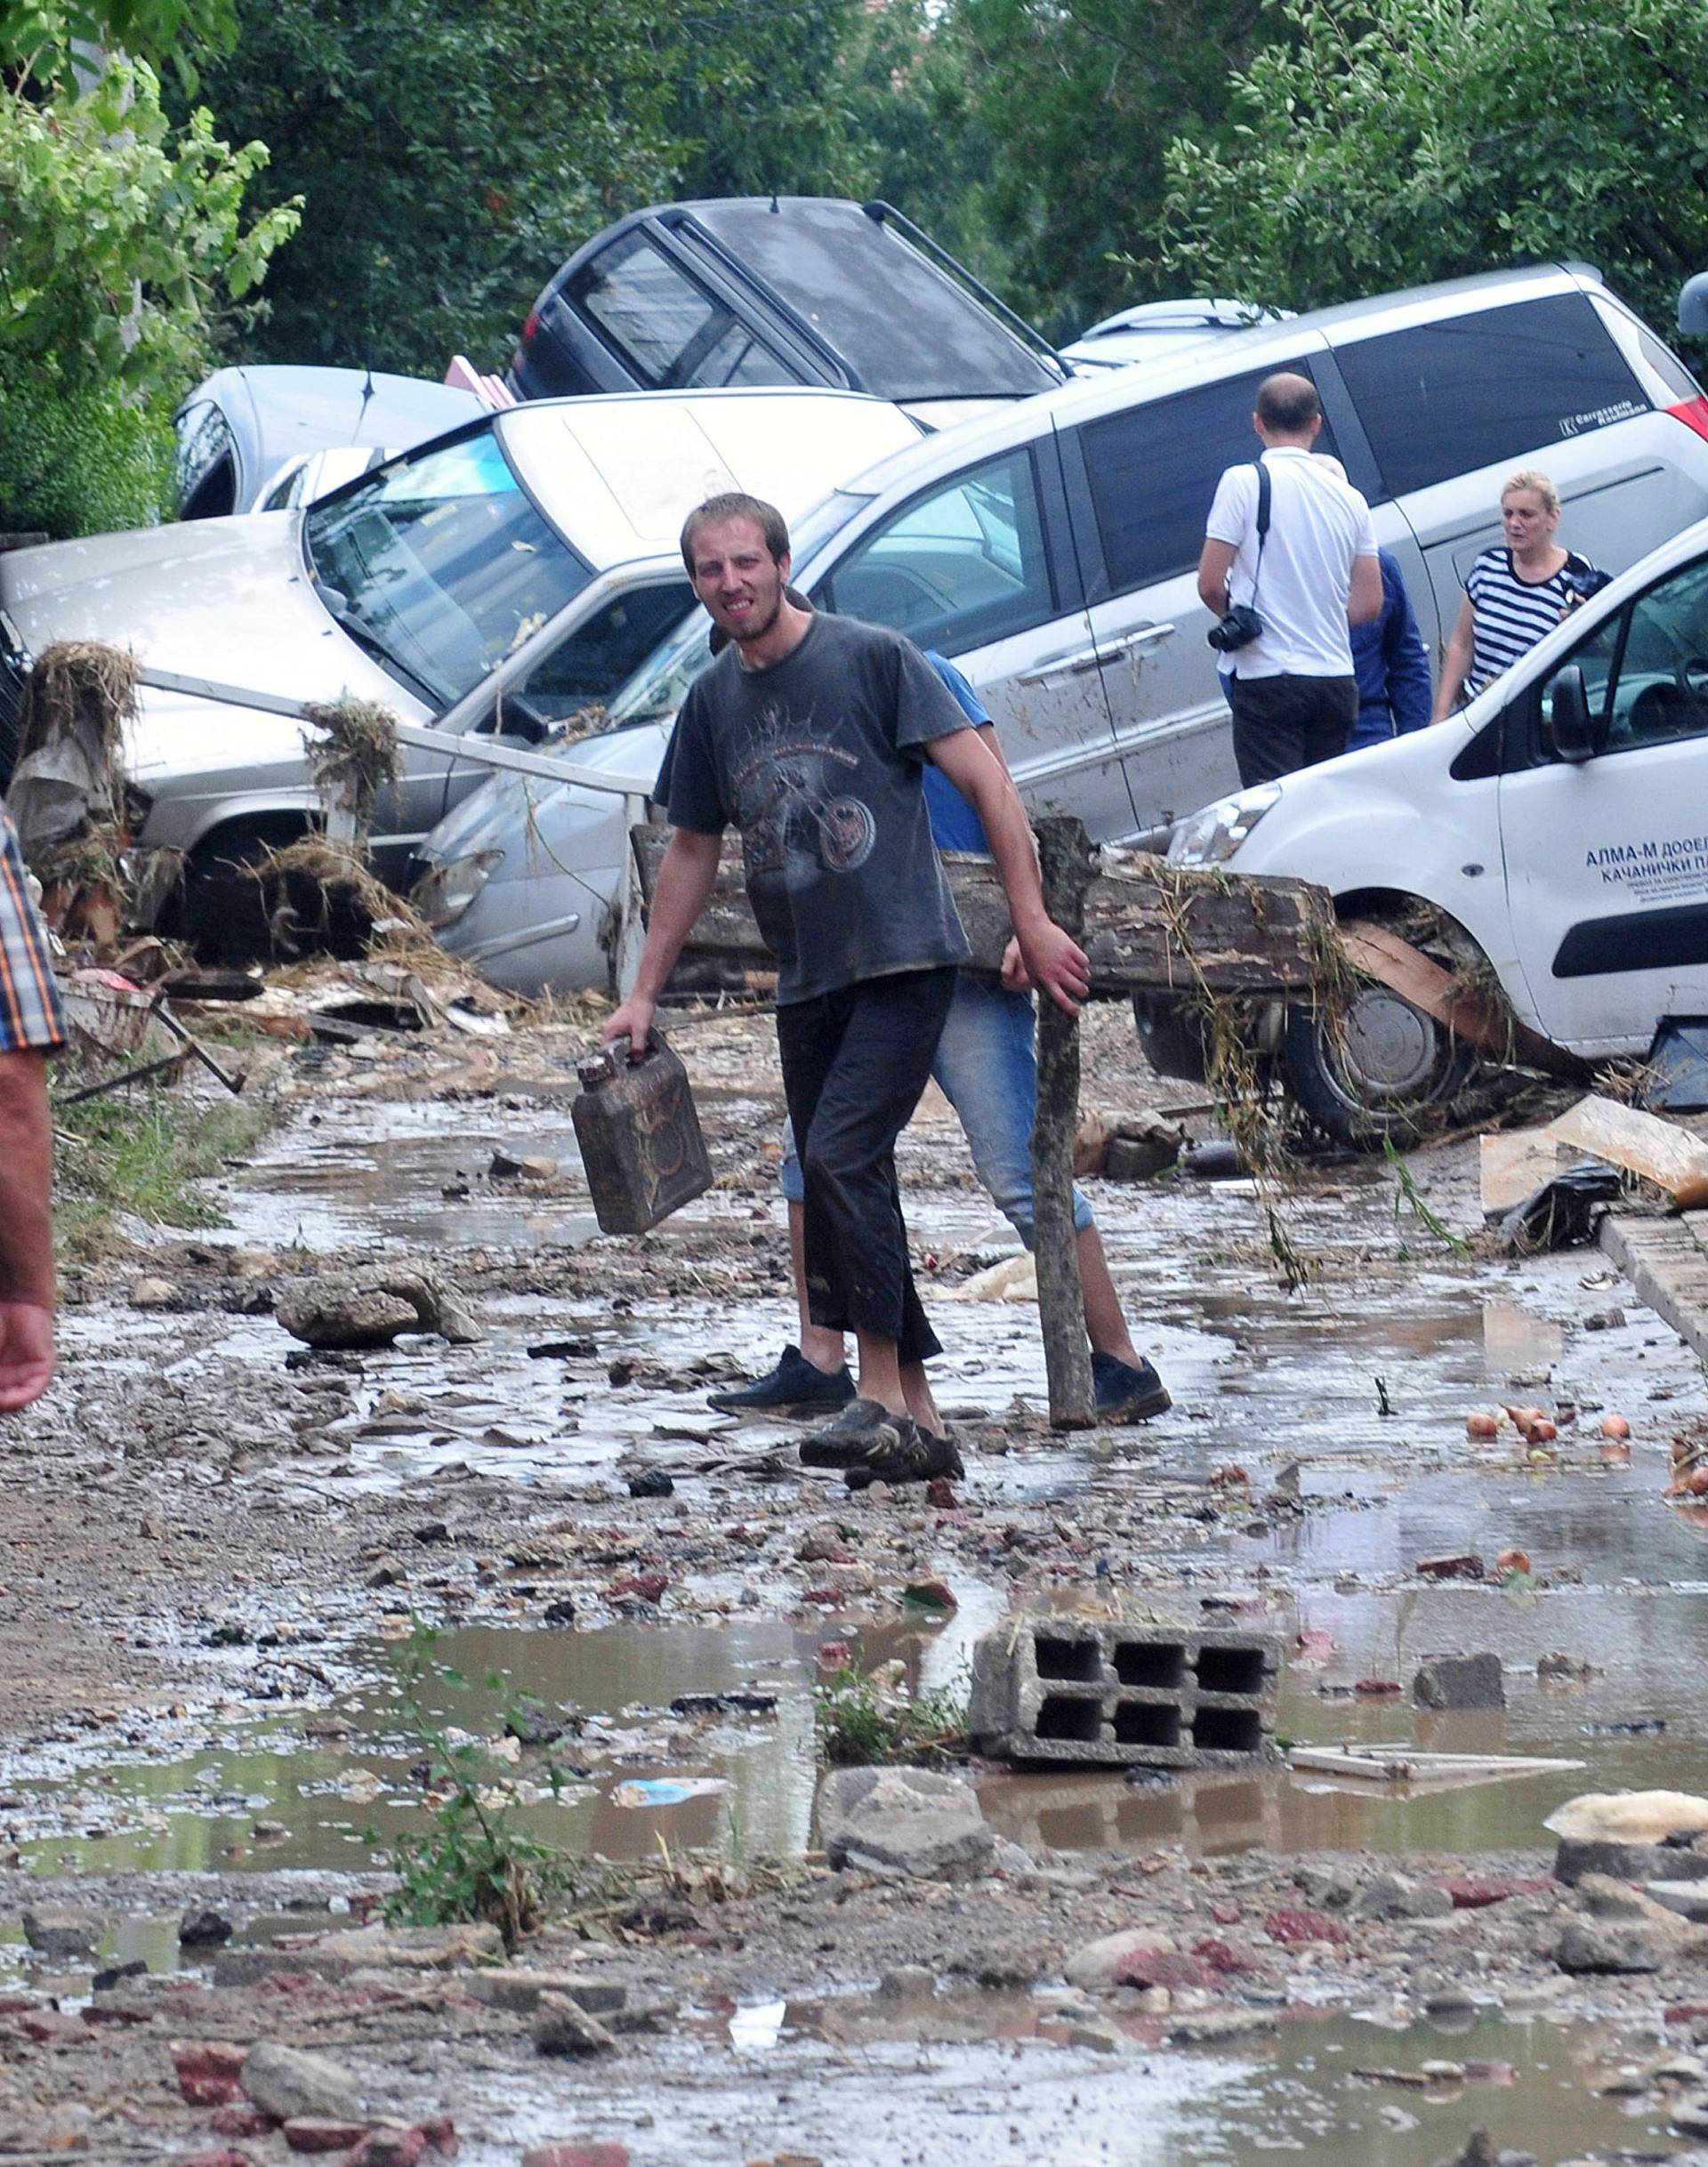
[1459,1681]
[1106,1694]
[915,1821]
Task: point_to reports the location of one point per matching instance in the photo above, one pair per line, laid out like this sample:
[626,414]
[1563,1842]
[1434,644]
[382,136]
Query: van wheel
[231,914]
[1382,1072]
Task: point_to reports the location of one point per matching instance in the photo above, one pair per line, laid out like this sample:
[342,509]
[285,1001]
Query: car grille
[13,672]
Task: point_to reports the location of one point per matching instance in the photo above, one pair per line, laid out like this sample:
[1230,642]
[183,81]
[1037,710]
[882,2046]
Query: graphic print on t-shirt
[795,816]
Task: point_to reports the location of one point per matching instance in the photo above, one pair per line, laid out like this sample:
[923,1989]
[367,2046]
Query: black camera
[1240,627]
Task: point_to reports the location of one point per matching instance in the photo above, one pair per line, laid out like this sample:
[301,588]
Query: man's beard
[754,630]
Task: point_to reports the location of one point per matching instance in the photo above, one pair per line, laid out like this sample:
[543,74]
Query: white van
[1555,832]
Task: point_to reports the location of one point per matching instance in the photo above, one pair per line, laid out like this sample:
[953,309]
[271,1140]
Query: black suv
[776,290]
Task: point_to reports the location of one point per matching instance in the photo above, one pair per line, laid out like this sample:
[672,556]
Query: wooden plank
[1515,1164]
[1643,1144]
[1065,862]
[1148,926]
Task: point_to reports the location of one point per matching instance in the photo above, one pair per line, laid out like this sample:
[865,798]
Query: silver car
[494,584]
[1050,550]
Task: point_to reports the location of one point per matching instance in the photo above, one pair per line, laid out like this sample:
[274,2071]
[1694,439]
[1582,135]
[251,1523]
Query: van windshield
[440,564]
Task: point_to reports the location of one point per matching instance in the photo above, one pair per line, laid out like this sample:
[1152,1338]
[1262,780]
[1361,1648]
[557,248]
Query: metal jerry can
[639,1136]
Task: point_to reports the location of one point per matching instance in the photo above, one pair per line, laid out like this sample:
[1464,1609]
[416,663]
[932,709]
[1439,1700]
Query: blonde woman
[1514,592]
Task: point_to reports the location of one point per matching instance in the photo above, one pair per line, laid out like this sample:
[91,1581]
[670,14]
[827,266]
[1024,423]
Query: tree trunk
[1065,858]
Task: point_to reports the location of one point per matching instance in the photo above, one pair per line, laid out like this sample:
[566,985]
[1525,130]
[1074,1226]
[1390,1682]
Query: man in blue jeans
[987,1068]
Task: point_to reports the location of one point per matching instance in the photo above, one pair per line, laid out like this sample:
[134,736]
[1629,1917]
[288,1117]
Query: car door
[978,567]
[1139,480]
[1606,860]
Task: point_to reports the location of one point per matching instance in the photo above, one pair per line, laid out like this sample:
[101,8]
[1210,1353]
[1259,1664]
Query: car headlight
[443,895]
[1211,836]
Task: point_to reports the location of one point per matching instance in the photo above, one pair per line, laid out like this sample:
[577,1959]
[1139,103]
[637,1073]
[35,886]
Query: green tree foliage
[1411,140]
[119,237]
[1081,98]
[449,153]
[42,32]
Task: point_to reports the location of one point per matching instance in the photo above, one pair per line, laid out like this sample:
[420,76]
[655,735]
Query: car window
[1486,387]
[604,650]
[1645,668]
[1153,469]
[960,566]
[670,331]
[443,561]
[205,464]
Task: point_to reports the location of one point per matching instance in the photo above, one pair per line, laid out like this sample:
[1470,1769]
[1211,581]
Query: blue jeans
[988,1066]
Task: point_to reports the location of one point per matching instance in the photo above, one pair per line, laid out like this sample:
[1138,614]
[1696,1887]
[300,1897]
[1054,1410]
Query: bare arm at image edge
[1363,602]
[686,878]
[1455,663]
[26,1230]
[1053,959]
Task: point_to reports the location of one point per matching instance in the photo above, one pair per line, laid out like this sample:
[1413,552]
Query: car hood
[227,599]
[502,812]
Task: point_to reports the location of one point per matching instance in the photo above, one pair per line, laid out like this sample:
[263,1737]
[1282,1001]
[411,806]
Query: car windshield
[660,686]
[441,563]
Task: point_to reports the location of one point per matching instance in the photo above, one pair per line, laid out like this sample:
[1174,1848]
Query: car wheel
[230,913]
[1381,1071]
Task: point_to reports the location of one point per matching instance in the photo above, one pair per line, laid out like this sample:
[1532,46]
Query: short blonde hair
[1532,478]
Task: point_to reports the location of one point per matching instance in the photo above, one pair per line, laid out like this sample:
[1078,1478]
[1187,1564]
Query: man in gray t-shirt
[810,733]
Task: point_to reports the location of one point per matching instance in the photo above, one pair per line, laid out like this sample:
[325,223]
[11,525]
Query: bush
[81,462]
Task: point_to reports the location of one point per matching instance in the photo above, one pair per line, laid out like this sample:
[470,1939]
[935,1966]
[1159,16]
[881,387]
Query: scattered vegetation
[861,1720]
[143,1152]
[1409,1197]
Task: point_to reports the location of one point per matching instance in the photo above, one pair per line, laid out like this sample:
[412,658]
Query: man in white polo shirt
[1310,578]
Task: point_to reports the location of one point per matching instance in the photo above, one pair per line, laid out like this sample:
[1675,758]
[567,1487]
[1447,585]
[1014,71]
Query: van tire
[1383,1072]
[230,913]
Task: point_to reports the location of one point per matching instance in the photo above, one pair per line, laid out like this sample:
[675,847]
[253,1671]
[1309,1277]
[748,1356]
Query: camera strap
[1263,493]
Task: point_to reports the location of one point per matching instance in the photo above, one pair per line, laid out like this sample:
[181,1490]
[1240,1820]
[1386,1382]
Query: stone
[1689,2117]
[1605,1897]
[1472,1893]
[521,1166]
[1464,1567]
[319,2134]
[513,1987]
[1153,1967]
[50,2027]
[1611,1945]
[387,1573]
[923,1822]
[204,1930]
[1452,2004]
[905,1983]
[1099,2034]
[1562,1670]
[153,1294]
[1094,1967]
[1392,1895]
[64,1934]
[1628,1862]
[1292,1927]
[288,2084]
[370,1307]
[651,1482]
[1688,1899]
[531,1725]
[1629,1817]
[405,1948]
[391,2144]
[1002,1962]
[210,2071]
[576,2155]
[1460,1682]
[1203,2028]
[561,2027]
[236,2120]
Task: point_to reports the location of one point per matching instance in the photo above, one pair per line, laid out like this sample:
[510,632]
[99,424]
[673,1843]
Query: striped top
[1511,613]
[30,1001]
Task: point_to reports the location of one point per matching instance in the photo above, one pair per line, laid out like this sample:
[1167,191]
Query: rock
[1688,1899]
[1449,2003]
[559,1612]
[210,2071]
[576,2155]
[562,2026]
[407,1948]
[1612,1944]
[152,1294]
[1094,1968]
[1689,2117]
[1472,1893]
[320,2133]
[905,1983]
[533,1725]
[1202,2028]
[65,1934]
[52,2027]
[1325,1888]
[117,1975]
[1153,1967]
[1605,1897]
[1003,1962]
[651,1482]
[1459,1681]
[393,2145]
[1464,1567]
[1392,1896]
[387,1573]
[1629,1862]
[917,1821]
[521,1166]
[1561,1670]
[286,2083]
[1099,2035]
[516,1988]
[204,1930]
[1629,1816]
[431,1531]
[1292,1927]
[370,1307]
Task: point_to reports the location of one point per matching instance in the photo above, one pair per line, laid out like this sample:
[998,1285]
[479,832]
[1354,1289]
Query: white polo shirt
[1317,525]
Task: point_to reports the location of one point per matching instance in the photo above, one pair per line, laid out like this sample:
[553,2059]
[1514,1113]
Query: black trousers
[1283,723]
[854,1064]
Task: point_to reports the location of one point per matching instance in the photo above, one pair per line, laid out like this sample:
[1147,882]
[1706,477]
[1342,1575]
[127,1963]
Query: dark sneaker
[902,1452]
[1126,1394]
[795,1383]
[844,1441]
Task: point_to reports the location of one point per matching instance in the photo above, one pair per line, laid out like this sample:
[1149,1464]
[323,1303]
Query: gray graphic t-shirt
[817,761]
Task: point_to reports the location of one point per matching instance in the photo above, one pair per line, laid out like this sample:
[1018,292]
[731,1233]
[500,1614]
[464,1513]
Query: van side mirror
[1575,733]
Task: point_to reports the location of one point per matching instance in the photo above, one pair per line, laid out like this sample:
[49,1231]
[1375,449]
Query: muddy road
[217,1548]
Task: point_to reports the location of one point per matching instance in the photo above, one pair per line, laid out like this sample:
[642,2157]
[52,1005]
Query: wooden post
[1064,860]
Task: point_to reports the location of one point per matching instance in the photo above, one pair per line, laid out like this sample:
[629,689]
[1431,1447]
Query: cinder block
[1102,1694]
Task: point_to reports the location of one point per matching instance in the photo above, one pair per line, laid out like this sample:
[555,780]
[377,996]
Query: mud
[212,1556]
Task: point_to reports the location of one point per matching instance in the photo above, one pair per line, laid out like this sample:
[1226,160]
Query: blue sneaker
[793,1386]
[1126,1394]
